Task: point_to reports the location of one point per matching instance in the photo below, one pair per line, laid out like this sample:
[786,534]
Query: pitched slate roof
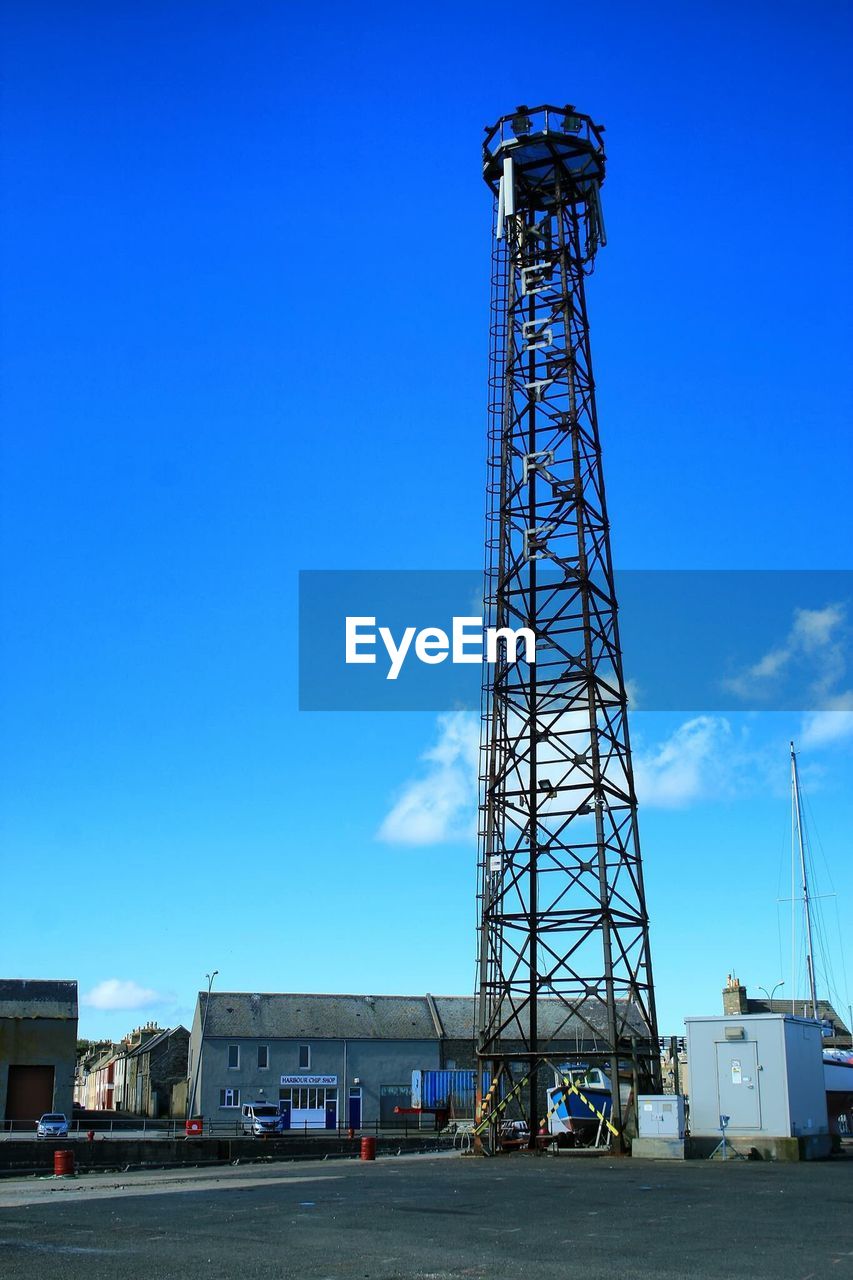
[802,1008]
[102,1059]
[456,1014]
[145,1046]
[37,998]
[292,1016]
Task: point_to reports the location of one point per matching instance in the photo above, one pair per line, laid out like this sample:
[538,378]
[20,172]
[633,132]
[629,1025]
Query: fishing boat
[580,1103]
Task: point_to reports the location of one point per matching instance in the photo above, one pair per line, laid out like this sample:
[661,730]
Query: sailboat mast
[798,817]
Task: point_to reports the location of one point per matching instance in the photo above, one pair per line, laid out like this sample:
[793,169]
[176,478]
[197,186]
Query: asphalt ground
[432,1218]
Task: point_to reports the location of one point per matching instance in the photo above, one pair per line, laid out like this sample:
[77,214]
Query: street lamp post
[191,1107]
[770,994]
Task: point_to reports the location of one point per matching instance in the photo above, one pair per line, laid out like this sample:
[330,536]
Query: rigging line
[780,873]
[782,859]
[813,835]
[843,960]
[814,830]
[810,830]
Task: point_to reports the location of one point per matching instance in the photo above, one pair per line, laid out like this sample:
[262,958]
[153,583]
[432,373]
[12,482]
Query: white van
[259,1118]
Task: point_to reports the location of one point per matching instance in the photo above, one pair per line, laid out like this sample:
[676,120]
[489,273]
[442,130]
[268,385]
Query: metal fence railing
[107,1126]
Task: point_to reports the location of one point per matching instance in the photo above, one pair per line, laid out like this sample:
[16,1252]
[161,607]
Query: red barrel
[194,1126]
[368,1148]
[63,1163]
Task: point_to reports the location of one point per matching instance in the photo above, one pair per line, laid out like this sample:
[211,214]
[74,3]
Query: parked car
[260,1118]
[53,1124]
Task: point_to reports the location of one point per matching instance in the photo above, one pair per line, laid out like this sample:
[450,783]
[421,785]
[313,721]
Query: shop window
[308,1099]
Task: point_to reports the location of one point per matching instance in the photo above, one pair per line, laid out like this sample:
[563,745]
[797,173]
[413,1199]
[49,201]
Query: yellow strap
[485,1101]
[478,1128]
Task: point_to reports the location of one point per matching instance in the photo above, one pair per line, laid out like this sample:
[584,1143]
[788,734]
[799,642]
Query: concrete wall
[180,1092]
[20,1158]
[40,1042]
[193,1065]
[372,1062]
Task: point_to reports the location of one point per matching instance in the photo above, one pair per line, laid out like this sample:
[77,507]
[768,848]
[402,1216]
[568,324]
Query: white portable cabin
[764,1071]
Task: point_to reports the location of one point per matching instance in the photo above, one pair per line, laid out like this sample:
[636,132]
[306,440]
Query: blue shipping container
[453,1090]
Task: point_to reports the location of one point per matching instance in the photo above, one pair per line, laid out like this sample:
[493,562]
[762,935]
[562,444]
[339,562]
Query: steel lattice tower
[564,946]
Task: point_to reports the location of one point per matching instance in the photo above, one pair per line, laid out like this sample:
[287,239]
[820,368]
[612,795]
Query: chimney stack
[734,997]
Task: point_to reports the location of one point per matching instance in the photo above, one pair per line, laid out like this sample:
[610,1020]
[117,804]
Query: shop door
[284,1112]
[355,1108]
[331,1113]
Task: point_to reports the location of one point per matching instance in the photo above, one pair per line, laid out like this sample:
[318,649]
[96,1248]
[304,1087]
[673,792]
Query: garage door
[29,1092]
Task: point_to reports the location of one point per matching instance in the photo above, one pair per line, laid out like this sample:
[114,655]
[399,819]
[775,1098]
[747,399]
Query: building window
[229,1097]
[233,1057]
[304,1057]
[263,1057]
[309,1099]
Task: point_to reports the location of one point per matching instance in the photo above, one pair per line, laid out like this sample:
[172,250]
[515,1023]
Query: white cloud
[701,760]
[818,637]
[118,993]
[814,628]
[832,725]
[440,805]
[814,635]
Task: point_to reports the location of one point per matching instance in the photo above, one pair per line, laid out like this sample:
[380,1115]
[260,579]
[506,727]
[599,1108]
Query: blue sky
[245,256]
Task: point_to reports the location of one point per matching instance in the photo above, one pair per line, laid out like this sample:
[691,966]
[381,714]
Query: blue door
[284,1112]
[332,1114]
[355,1108]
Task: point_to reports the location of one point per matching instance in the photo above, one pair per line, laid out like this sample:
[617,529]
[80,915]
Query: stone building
[323,1059]
[153,1068]
[337,1060]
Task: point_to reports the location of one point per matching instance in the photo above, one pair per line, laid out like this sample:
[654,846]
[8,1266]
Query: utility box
[764,1072]
[660,1115]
